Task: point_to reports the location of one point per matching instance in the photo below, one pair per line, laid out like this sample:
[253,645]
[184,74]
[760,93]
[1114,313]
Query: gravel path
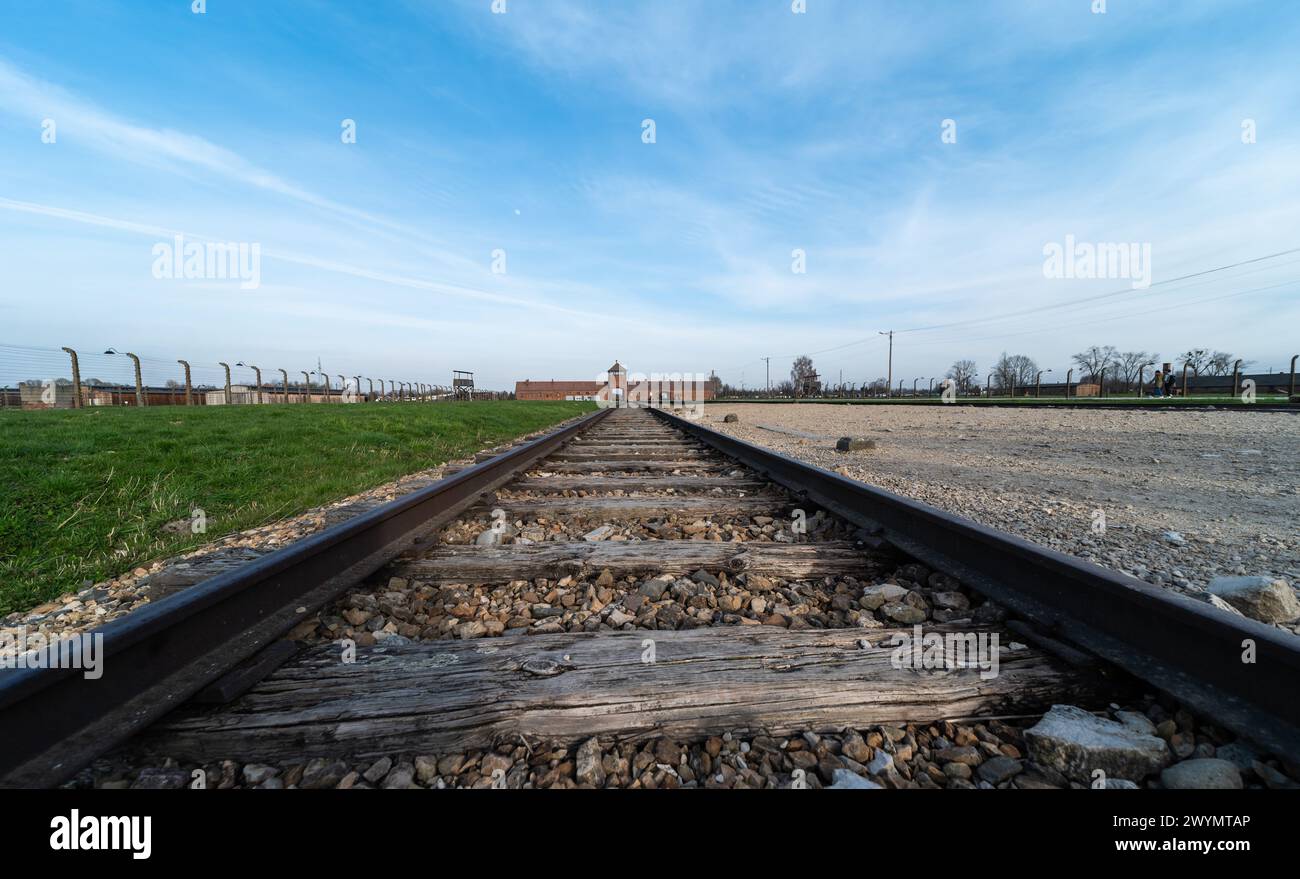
[1186,496]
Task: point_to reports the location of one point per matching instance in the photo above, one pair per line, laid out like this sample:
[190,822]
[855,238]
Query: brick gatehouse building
[616,383]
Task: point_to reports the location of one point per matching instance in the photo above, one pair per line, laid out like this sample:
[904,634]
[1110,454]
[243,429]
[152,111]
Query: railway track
[636,600]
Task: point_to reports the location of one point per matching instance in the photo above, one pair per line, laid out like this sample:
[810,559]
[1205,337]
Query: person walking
[1158,384]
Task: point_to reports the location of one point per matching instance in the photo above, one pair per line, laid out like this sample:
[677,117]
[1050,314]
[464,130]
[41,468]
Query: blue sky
[522,132]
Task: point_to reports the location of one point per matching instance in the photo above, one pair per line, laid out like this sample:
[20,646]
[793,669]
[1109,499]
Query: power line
[1090,299]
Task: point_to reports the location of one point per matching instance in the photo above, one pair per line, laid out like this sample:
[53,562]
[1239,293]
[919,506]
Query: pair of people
[1162,385]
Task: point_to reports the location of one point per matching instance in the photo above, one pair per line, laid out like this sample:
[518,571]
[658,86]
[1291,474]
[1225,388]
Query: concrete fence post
[139,381]
[1236,377]
[226,367]
[189,387]
[325,377]
[1069,374]
[1289,396]
[76,380]
[257,394]
[285,375]
[306,381]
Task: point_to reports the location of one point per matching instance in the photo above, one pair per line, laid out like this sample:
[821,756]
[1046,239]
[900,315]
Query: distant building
[616,387]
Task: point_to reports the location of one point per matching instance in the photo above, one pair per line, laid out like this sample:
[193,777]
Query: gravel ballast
[1185,496]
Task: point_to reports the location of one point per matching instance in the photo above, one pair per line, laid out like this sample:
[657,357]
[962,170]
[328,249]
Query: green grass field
[84,494]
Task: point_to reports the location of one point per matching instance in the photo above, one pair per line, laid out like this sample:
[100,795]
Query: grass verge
[84,494]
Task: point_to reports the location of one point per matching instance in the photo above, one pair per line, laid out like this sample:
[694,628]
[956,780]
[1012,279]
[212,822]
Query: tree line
[1095,364]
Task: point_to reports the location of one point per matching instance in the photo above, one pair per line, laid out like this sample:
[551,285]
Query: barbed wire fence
[49,378]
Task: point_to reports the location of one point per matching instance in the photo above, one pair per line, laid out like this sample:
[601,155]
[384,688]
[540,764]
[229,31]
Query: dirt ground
[1186,496]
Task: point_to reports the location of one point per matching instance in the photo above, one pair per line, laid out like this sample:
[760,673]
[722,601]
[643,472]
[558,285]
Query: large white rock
[1208,773]
[1262,598]
[1076,743]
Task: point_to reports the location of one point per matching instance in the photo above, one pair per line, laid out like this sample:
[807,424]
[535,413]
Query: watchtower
[462,384]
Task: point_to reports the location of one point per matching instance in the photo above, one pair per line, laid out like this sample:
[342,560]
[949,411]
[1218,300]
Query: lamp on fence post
[139,383]
[307,382]
[1236,375]
[1038,383]
[1069,374]
[189,388]
[77,379]
[257,395]
[286,385]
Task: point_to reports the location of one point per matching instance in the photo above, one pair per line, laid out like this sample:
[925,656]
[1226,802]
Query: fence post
[286,385]
[1236,374]
[325,377]
[139,382]
[1289,396]
[370,397]
[76,380]
[189,390]
[227,367]
[307,383]
[1185,366]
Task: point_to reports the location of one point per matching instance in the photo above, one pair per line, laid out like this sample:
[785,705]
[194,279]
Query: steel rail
[1189,649]
[53,721]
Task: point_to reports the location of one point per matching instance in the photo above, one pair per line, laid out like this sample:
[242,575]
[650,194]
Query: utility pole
[768,361]
[889,378]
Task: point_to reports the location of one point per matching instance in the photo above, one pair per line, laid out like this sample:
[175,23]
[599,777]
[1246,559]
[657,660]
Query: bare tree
[1132,363]
[1197,359]
[963,372]
[1220,363]
[804,377]
[1094,360]
[1014,371]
